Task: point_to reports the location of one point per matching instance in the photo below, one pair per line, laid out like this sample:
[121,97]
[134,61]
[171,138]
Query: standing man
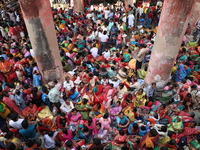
[103,40]
[149,19]
[94,51]
[140,56]
[131,21]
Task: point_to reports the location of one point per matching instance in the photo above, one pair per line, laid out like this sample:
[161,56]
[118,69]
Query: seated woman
[74,118]
[88,94]
[122,74]
[64,135]
[176,125]
[97,90]
[85,135]
[150,140]
[84,108]
[45,115]
[168,94]
[139,98]
[122,121]
[36,97]
[97,144]
[128,100]
[119,141]
[100,133]
[105,122]
[133,128]
[30,111]
[42,128]
[109,93]
[130,112]
[115,110]
[90,123]
[121,91]
[133,142]
[74,96]
[98,110]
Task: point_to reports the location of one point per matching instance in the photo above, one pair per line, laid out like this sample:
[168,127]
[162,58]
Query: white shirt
[115,83]
[106,12]
[94,52]
[88,16]
[106,54]
[68,86]
[66,107]
[103,38]
[49,142]
[17,124]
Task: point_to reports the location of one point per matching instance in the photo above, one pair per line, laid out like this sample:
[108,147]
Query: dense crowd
[103,103]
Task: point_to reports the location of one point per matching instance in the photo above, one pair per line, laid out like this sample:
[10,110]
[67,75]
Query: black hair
[5,128]
[14,116]
[106,115]
[143,128]
[155,115]
[121,132]
[153,132]
[96,141]
[64,130]
[89,121]
[135,126]
[44,89]
[25,124]
[62,114]
[85,129]
[10,146]
[74,109]
[69,144]
[30,142]
[50,133]
[9,135]
[164,128]
[164,148]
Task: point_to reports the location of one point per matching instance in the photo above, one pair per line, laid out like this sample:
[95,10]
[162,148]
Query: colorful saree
[86,107]
[7,70]
[149,142]
[115,111]
[30,112]
[4,111]
[99,113]
[47,117]
[115,145]
[140,99]
[74,119]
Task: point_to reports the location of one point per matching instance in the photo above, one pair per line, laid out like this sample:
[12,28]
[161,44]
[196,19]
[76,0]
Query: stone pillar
[172,26]
[79,5]
[195,15]
[39,22]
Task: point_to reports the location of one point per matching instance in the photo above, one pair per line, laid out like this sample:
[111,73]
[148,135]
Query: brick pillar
[79,5]
[39,22]
[172,26]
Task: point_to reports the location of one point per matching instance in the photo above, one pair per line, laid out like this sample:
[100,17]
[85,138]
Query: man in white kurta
[131,20]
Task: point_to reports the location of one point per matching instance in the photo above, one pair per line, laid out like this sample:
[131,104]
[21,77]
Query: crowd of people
[103,103]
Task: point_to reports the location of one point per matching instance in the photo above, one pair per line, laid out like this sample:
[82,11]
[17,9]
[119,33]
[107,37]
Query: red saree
[30,113]
[98,98]
[7,70]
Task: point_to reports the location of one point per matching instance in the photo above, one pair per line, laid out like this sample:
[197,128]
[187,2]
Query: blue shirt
[4,56]
[29,132]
